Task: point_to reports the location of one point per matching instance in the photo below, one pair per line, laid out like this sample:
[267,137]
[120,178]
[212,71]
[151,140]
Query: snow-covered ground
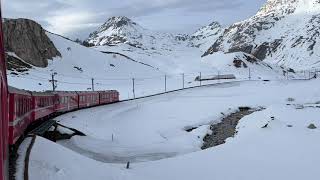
[148,131]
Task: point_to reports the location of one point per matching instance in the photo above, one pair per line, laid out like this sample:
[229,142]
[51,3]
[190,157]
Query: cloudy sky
[77,18]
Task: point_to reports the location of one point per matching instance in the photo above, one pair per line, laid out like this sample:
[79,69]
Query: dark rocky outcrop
[16,64]
[226,128]
[28,40]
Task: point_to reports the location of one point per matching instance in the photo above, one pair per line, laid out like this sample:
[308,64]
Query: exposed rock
[290,99]
[239,63]
[28,40]
[226,128]
[312,126]
[16,64]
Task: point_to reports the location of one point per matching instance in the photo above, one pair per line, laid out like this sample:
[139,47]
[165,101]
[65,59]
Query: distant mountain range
[283,32]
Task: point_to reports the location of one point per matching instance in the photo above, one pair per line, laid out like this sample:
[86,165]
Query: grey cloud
[150,12]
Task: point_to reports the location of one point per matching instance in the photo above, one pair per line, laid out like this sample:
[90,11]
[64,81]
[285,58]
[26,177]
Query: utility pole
[133,88]
[92,84]
[249,74]
[182,80]
[200,79]
[53,81]
[165,83]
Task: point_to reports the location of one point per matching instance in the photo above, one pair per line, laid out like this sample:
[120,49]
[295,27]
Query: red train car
[106,97]
[3,110]
[20,113]
[88,99]
[43,104]
[66,101]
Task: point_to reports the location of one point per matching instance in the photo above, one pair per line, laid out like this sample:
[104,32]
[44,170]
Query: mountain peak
[117,29]
[279,6]
[119,21]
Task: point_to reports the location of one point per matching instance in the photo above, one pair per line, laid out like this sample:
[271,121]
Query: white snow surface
[153,128]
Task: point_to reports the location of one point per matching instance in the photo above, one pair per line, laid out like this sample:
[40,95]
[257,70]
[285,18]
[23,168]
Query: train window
[40,102]
[27,105]
[20,107]
[24,106]
[17,107]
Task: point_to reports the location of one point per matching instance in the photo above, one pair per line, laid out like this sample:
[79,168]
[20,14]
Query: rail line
[27,158]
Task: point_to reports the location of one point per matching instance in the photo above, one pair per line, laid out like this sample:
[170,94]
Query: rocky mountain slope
[204,37]
[26,44]
[283,32]
[122,30]
[171,53]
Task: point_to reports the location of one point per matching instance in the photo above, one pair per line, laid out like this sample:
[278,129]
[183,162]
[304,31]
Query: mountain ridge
[283,32]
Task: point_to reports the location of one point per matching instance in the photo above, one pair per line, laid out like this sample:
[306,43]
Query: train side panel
[21,108]
[43,105]
[88,99]
[3,110]
[66,101]
[107,97]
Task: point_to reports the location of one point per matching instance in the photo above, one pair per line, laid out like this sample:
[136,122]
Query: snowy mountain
[116,30]
[170,53]
[122,30]
[283,32]
[204,37]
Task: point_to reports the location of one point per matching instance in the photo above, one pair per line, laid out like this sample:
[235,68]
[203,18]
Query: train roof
[87,92]
[14,90]
[65,93]
[47,93]
[51,93]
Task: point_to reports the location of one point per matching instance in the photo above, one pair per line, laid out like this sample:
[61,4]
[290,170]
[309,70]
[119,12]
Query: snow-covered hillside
[170,53]
[283,32]
[109,69]
[204,37]
[77,66]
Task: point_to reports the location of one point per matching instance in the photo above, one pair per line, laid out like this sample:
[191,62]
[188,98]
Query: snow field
[154,128]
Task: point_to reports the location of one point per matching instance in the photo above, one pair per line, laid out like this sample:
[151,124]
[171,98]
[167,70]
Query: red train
[3,110]
[27,107]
